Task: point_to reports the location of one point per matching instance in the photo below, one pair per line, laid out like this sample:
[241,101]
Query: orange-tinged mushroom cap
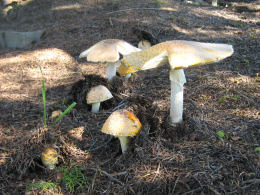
[122,123]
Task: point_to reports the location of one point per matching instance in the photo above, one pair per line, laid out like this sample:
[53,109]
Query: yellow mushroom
[122,124]
[49,157]
[179,55]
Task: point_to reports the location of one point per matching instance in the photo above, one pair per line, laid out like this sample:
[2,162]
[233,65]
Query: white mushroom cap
[98,94]
[108,50]
[122,123]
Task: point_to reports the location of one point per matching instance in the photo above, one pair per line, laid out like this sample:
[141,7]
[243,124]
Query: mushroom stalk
[95,107]
[124,140]
[128,76]
[111,70]
[178,79]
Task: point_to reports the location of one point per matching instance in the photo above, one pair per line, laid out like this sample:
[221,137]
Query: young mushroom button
[122,124]
[49,157]
[180,55]
[96,95]
[108,51]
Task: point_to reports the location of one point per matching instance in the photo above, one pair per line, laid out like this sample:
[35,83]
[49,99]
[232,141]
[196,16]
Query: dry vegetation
[188,159]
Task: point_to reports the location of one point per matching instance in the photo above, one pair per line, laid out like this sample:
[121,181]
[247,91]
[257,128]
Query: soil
[189,158]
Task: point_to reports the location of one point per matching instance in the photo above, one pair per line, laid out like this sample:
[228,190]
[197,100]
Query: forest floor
[190,158]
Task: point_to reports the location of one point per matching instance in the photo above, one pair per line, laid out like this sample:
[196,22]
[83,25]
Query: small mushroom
[180,55]
[96,95]
[108,51]
[122,124]
[49,157]
[144,44]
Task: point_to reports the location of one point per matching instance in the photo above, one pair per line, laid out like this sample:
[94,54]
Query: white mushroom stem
[124,140]
[178,79]
[111,70]
[128,76]
[95,107]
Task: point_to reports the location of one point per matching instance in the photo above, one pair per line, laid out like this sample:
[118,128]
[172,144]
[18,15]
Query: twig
[131,9]
[1,148]
[108,175]
[251,181]
[122,103]
[175,185]
[90,150]
[191,191]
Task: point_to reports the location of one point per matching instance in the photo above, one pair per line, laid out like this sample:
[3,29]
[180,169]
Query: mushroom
[108,51]
[144,44]
[96,95]
[49,157]
[180,55]
[122,124]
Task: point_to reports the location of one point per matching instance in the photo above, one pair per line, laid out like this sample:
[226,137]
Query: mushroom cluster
[179,54]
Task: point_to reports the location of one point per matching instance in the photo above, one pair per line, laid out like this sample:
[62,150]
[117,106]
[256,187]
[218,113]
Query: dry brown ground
[188,159]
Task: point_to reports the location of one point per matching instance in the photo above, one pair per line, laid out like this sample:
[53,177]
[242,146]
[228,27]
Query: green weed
[14,8]
[257,149]
[68,109]
[73,178]
[222,135]
[160,3]
[42,186]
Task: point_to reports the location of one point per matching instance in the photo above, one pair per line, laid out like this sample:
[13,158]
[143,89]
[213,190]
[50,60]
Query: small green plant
[257,149]
[42,186]
[222,99]
[160,3]
[73,178]
[246,61]
[230,97]
[14,8]
[222,135]
[234,97]
[68,109]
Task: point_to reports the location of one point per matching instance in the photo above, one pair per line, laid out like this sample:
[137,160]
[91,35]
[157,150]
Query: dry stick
[108,175]
[91,150]
[192,191]
[131,9]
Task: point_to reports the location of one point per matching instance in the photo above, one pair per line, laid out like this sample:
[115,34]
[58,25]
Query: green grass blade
[65,112]
[44,104]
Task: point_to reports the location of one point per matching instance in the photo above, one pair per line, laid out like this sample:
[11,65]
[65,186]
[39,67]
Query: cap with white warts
[122,124]
[96,95]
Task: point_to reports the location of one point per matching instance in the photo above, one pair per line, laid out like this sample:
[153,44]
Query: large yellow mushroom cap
[122,123]
[178,53]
